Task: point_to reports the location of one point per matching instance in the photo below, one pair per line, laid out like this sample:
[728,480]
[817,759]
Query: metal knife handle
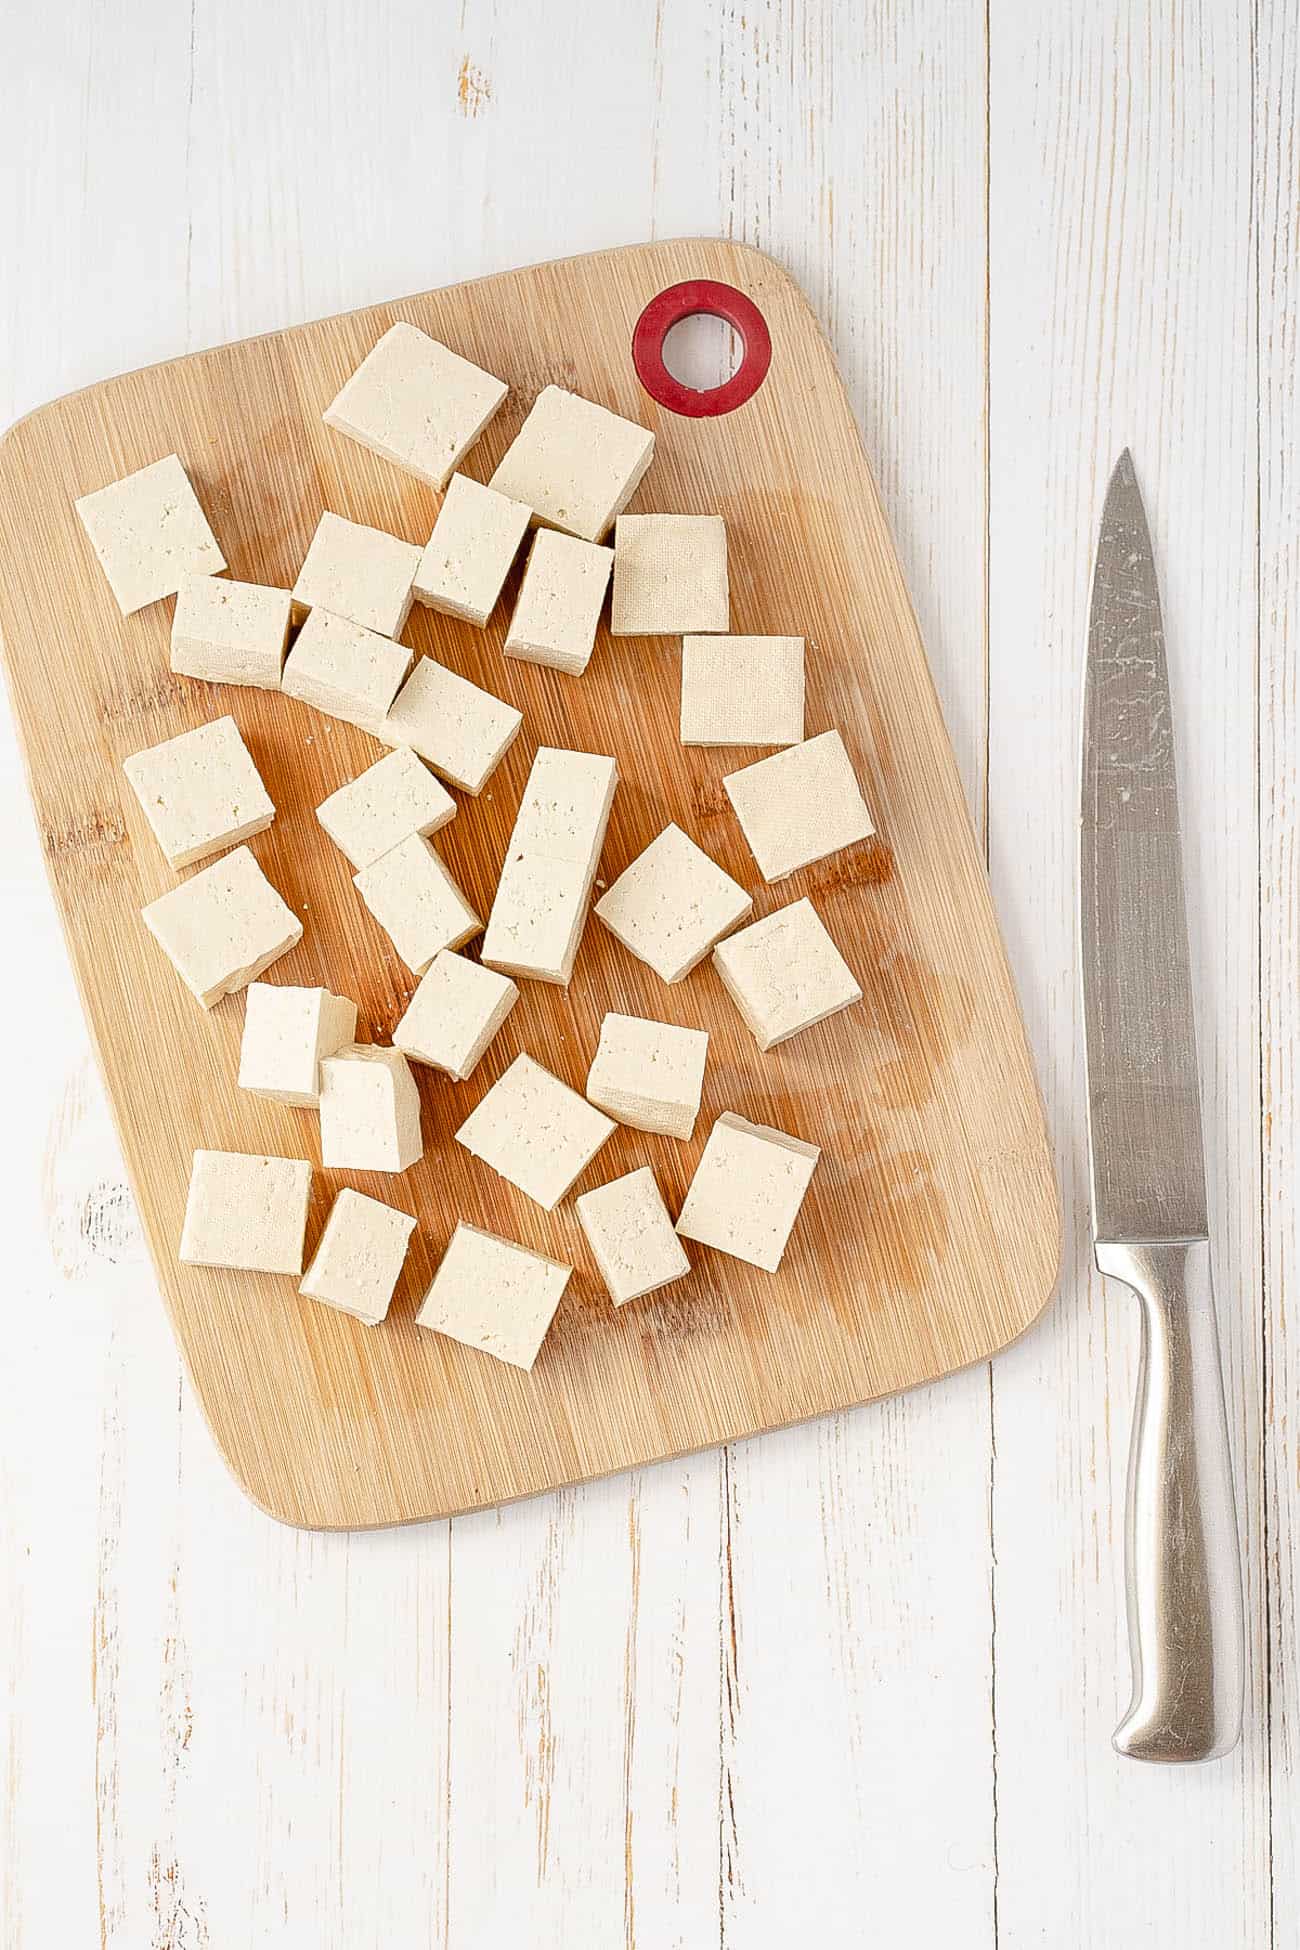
[1182,1561]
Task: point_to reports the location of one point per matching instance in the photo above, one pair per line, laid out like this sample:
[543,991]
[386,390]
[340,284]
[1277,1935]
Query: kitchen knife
[1150,1224]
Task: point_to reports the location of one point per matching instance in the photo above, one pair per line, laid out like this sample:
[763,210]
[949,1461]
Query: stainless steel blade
[1144,1106]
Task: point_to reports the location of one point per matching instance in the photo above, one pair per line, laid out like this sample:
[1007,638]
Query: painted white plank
[1277,246]
[1120,312]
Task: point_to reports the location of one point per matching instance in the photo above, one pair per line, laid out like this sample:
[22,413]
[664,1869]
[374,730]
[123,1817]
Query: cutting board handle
[691,299]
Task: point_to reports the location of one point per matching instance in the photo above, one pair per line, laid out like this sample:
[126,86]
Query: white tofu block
[286,1033]
[363,574]
[345,670]
[462,731]
[534,1131]
[369,1110]
[491,1294]
[223,926]
[230,632]
[148,532]
[393,798]
[417,903]
[468,556]
[200,792]
[671,904]
[360,1257]
[540,909]
[629,1230]
[649,1074]
[800,805]
[576,464]
[246,1212]
[742,690]
[747,1191]
[559,603]
[454,1014]
[417,403]
[784,973]
[670,575]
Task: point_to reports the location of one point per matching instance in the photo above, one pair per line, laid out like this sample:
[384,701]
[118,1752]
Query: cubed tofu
[493,1295]
[391,799]
[535,1132]
[148,532]
[671,904]
[222,927]
[359,1259]
[649,1074]
[468,556]
[454,1014]
[230,632]
[417,903]
[559,603]
[784,973]
[670,575]
[747,1191]
[800,805]
[742,690]
[575,464]
[461,730]
[363,574]
[369,1110]
[345,670]
[286,1033]
[540,908]
[629,1231]
[247,1212]
[415,402]
[200,792]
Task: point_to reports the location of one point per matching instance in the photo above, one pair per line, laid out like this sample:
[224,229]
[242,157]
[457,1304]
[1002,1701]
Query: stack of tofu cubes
[334,643]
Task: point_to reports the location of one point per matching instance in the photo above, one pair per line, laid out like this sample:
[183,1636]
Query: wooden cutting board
[930,1235]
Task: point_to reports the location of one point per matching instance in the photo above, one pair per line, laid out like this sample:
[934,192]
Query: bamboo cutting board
[929,1237]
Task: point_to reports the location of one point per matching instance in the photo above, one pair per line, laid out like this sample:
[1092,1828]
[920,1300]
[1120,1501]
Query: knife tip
[1124,471]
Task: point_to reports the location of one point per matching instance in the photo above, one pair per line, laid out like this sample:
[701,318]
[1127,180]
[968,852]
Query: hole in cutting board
[721,348]
[702,350]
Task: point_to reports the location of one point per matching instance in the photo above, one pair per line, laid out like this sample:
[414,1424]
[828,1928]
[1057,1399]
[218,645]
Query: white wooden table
[853,1684]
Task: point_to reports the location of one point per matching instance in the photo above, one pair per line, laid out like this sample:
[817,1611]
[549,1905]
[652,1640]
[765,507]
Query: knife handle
[1182,1563]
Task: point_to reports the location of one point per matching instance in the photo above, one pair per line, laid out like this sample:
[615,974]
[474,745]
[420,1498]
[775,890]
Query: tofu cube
[454,1014]
[246,1212]
[417,403]
[359,573]
[671,904]
[629,1231]
[393,798]
[462,731]
[491,1294]
[200,792]
[784,973]
[468,556]
[574,463]
[649,1074]
[223,926]
[747,1191]
[559,604]
[742,690]
[369,1110]
[535,1132]
[149,532]
[540,908]
[359,1259]
[670,575]
[416,902]
[286,1033]
[345,670]
[230,632]
[799,805]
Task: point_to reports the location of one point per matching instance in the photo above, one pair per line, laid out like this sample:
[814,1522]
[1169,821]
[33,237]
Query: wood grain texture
[928,1238]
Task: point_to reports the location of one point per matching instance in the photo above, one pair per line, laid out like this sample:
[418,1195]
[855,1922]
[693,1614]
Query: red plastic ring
[688,300]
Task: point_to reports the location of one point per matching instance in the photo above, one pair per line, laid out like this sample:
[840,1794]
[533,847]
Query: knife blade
[1150,1217]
